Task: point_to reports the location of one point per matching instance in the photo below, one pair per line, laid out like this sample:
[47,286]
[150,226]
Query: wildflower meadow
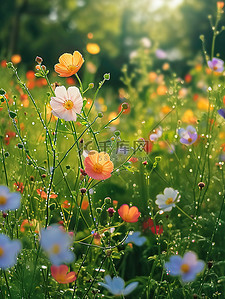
[113,191]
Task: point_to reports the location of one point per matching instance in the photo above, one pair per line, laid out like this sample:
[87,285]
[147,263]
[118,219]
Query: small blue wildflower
[216,65]
[222,112]
[9,249]
[134,237]
[116,285]
[56,242]
[187,267]
[9,200]
[188,136]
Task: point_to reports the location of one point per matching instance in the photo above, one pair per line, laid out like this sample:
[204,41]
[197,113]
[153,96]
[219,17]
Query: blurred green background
[50,28]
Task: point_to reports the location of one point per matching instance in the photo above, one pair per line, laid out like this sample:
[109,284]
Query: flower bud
[38,60]
[100,114]
[125,106]
[201,185]
[44,176]
[2,92]
[91,85]
[83,190]
[107,76]
[117,133]
[10,65]
[145,162]
[83,172]
[31,178]
[4,215]
[111,211]
[210,264]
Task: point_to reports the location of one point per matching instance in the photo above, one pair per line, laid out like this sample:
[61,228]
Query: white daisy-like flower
[67,103]
[167,200]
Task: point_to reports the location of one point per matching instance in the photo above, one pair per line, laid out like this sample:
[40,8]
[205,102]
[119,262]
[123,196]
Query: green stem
[184,213]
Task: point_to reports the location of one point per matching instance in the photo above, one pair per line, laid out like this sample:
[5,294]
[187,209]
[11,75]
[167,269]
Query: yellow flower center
[1,251]
[3,200]
[98,168]
[169,200]
[185,268]
[68,105]
[189,139]
[71,68]
[55,249]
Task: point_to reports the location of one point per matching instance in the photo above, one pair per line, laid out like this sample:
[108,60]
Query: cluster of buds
[42,71]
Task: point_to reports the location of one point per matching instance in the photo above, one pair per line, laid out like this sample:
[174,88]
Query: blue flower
[188,136]
[9,249]
[216,65]
[134,237]
[9,200]
[116,285]
[222,112]
[56,242]
[187,267]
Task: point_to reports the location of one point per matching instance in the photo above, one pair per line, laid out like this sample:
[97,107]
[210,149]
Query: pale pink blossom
[67,103]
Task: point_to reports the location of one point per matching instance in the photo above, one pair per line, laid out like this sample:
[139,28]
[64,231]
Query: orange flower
[16,59]
[25,225]
[189,117]
[65,204]
[43,194]
[98,165]
[161,90]
[93,48]
[69,64]
[129,214]
[59,273]
[30,75]
[3,63]
[84,204]
[220,5]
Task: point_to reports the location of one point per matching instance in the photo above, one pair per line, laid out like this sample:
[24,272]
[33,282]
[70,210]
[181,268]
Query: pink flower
[67,103]
[59,273]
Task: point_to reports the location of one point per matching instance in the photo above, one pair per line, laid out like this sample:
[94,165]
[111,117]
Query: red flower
[59,273]
[19,187]
[66,204]
[149,224]
[8,136]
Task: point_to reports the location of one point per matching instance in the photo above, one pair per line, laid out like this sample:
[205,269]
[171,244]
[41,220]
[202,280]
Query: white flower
[167,200]
[67,103]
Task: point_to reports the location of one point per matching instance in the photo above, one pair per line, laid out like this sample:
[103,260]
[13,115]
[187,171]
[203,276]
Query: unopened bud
[100,114]
[32,178]
[83,190]
[38,60]
[201,185]
[117,133]
[4,215]
[210,264]
[83,172]
[107,76]
[91,85]
[111,211]
[145,163]
[9,65]
[44,176]
[125,106]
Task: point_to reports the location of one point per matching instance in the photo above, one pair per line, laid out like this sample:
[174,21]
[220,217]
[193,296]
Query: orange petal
[103,157]
[123,211]
[108,166]
[77,59]
[66,59]
[93,156]
[70,277]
